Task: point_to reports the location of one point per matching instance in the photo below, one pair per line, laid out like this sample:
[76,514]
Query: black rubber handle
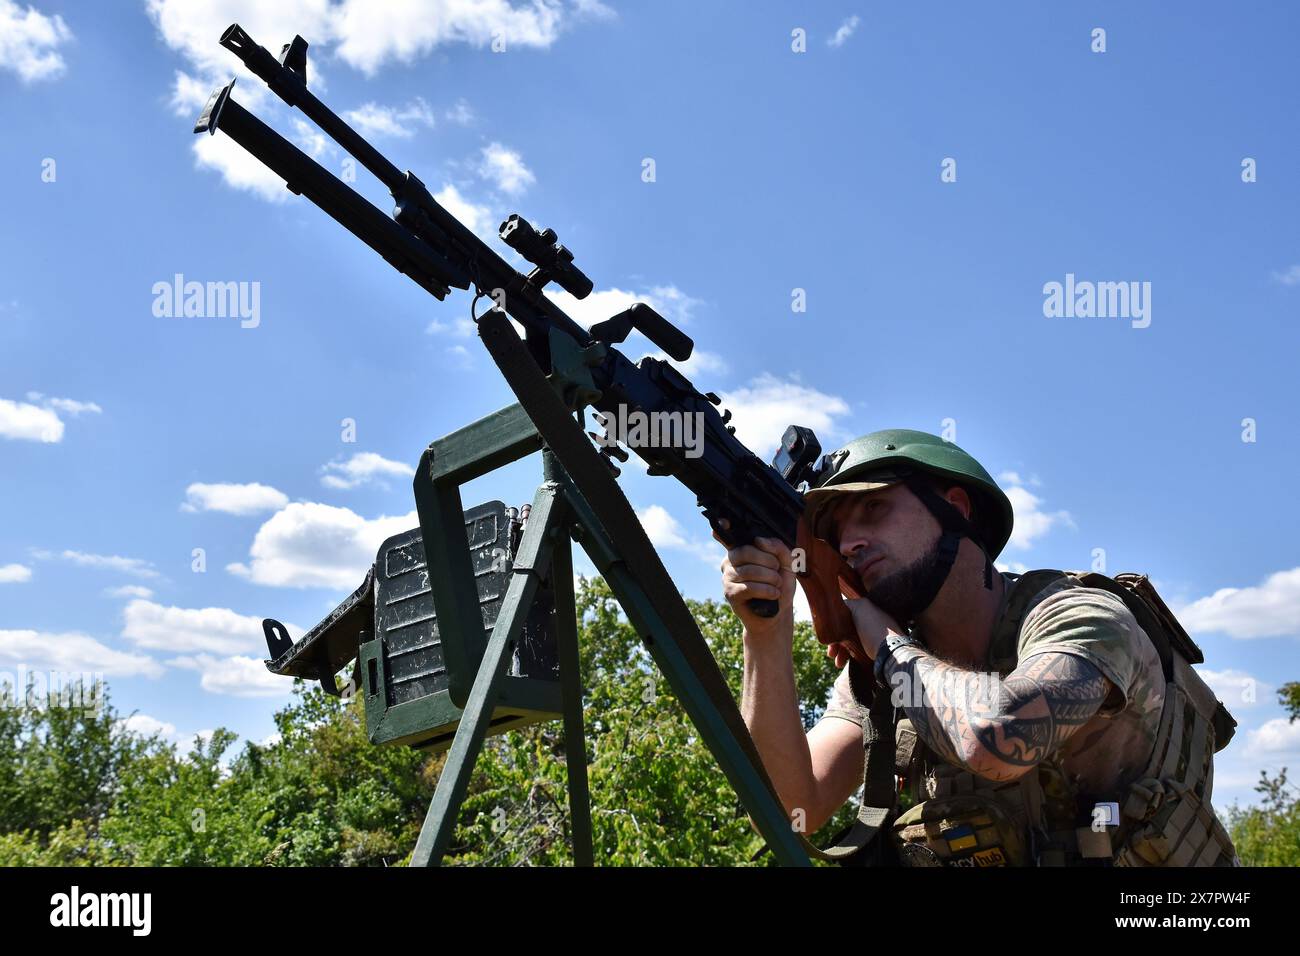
[764,607]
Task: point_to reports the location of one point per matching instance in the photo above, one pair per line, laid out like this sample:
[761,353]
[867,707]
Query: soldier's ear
[959,498]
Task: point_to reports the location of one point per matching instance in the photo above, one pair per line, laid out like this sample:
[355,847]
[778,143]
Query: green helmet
[887,457]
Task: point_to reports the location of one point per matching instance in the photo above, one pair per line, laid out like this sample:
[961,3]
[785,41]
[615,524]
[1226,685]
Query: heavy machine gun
[465,625]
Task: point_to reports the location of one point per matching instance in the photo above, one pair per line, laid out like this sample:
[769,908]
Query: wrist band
[887,647]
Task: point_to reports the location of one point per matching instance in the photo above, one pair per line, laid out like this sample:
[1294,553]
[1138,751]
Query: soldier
[1036,720]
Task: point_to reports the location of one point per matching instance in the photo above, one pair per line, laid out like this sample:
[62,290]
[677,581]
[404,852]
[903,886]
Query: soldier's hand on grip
[759,570]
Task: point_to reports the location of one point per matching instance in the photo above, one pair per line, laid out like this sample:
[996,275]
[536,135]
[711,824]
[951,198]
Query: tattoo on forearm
[997,729]
[940,724]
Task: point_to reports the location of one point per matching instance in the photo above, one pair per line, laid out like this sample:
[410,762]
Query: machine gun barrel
[416,207]
[430,270]
[287,78]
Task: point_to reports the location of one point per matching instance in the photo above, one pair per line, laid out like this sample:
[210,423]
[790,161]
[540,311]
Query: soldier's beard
[900,595]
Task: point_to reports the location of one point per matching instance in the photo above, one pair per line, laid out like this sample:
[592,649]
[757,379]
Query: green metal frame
[479,687]
[477,665]
[430,722]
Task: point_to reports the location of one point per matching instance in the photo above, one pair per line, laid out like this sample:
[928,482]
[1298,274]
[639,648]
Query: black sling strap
[862,843]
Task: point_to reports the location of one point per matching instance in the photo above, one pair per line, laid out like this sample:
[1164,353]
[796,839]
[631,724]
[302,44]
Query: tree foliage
[81,788]
[1269,834]
[77,787]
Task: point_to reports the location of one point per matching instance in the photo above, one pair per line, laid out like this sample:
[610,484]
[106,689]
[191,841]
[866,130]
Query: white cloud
[235,676]
[594,9]
[464,360]
[699,367]
[1236,688]
[505,168]
[190,94]
[409,30]
[477,218]
[673,304]
[312,141]
[668,300]
[1271,609]
[69,406]
[233,499]
[461,114]
[600,305]
[23,422]
[14,573]
[347,30]
[1290,277]
[762,410]
[664,531]
[372,119]
[129,591]
[460,328]
[72,653]
[238,168]
[361,468]
[147,726]
[1279,735]
[350,29]
[183,630]
[39,421]
[29,42]
[193,27]
[845,31]
[311,545]
[107,562]
[1031,521]
[661,527]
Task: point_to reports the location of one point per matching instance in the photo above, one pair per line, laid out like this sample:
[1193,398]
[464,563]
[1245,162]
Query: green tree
[79,788]
[1289,694]
[62,763]
[658,797]
[1269,834]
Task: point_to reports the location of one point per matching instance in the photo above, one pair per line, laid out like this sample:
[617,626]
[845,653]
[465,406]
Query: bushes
[79,788]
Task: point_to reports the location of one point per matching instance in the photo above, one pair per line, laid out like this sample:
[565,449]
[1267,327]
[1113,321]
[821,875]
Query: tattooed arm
[996,729]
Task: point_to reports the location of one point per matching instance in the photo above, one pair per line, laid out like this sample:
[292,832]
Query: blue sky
[129,439]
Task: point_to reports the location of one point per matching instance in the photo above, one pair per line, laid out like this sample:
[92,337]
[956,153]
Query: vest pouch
[1171,822]
[1183,831]
[970,829]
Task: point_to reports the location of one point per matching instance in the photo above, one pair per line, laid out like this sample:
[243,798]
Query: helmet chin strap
[955,527]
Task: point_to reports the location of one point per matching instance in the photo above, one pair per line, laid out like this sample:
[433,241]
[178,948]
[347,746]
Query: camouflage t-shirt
[1112,748]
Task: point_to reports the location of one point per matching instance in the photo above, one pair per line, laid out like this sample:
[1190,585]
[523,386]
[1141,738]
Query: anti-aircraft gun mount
[456,635]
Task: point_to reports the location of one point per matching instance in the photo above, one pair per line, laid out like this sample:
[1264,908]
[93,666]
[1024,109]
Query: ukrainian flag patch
[960,838]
